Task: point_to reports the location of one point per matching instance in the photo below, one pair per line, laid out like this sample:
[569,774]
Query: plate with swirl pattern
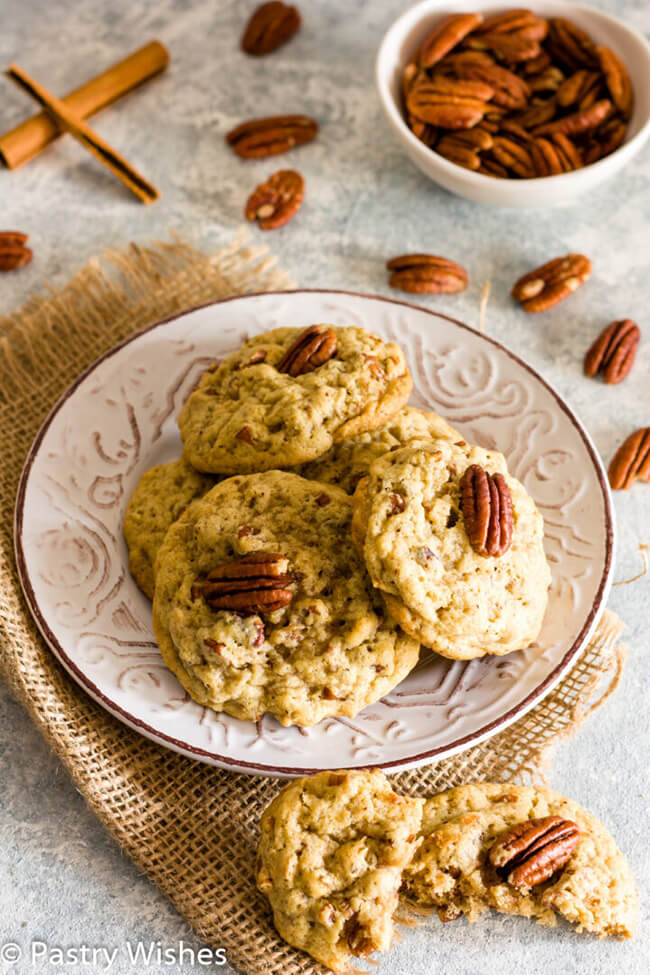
[119,419]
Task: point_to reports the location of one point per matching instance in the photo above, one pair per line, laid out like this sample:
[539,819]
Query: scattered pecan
[13,250]
[530,853]
[311,349]
[614,351]
[253,583]
[275,202]
[426,274]
[486,503]
[397,504]
[445,37]
[270,26]
[244,434]
[258,138]
[631,460]
[552,282]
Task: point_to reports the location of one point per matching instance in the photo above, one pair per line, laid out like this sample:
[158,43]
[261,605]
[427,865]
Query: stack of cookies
[317,531]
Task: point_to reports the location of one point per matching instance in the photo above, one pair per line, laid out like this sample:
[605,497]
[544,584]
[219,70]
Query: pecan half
[531,852]
[508,47]
[614,351]
[509,90]
[426,274]
[552,282]
[449,103]
[258,138]
[575,88]
[486,503]
[275,202]
[617,79]
[270,26]
[606,139]
[514,21]
[578,122]
[446,36]
[13,250]
[253,583]
[312,348]
[570,45]
[631,460]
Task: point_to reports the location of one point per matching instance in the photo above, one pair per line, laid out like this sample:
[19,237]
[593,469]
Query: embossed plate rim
[238,765]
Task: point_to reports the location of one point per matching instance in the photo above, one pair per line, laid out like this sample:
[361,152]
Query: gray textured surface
[63,880]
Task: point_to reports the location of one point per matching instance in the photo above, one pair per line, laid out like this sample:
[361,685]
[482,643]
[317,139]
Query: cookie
[161,496]
[348,461]
[286,396]
[412,530]
[454,868]
[331,854]
[262,604]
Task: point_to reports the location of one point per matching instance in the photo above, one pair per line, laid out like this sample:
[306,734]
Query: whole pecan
[426,274]
[13,250]
[275,202]
[258,138]
[270,26]
[617,79]
[578,122]
[486,503]
[614,351]
[449,103]
[446,36]
[312,348]
[530,853]
[253,583]
[552,282]
[631,460]
[570,45]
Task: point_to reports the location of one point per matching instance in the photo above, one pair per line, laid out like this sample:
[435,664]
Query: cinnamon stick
[28,139]
[82,132]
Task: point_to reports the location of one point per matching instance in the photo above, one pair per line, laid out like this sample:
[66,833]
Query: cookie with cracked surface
[409,526]
[161,496]
[452,869]
[286,396]
[331,854]
[262,604]
[348,461]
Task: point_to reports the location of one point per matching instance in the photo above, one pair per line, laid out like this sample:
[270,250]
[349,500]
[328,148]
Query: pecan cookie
[286,396]
[262,604]
[331,854]
[454,543]
[161,496]
[348,461]
[520,850]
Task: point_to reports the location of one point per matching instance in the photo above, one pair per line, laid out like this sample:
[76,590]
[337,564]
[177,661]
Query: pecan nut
[514,21]
[614,351]
[508,47]
[426,274]
[312,349]
[450,104]
[270,26]
[13,250]
[254,583]
[552,282]
[510,91]
[631,460]
[486,503]
[274,202]
[258,138]
[578,122]
[445,37]
[617,79]
[570,45]
[531,852]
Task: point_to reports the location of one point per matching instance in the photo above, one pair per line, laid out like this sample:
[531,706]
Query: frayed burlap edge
[191,828]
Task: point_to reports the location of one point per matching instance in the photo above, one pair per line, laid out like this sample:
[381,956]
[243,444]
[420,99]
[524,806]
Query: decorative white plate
[119,419]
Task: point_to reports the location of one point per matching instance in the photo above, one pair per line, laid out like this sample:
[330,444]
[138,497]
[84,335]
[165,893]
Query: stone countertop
[64,880]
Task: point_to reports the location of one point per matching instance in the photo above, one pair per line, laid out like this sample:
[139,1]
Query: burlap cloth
[191,828]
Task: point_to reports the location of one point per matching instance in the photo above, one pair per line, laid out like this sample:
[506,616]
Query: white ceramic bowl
[415,24]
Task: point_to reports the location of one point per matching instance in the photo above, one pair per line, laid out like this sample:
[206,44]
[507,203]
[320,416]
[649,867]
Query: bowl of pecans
[515,107]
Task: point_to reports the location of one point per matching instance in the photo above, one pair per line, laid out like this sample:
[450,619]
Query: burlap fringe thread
[191,828]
